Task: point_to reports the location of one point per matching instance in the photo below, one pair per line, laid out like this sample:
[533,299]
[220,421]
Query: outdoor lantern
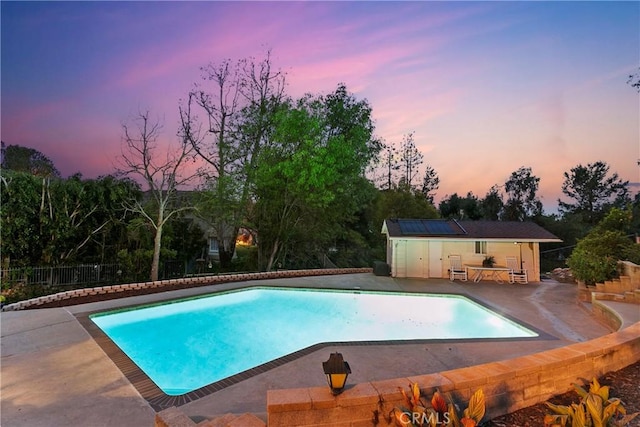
[337,371]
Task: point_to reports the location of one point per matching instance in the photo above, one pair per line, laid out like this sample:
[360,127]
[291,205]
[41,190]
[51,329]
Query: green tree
[635,209]
[430,183]
[81,216]
[111,194]
[595,257]
[185,239]
[310,180]
[136,256]
[522,200]
[20,214]
[293,179]
[47,221]
[593,191]
[29,160]
[402,203]
[492,204]
[357,236]
[458,207]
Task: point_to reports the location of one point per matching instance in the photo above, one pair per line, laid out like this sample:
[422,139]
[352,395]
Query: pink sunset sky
[486,87]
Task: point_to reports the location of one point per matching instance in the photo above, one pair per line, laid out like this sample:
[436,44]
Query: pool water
[187,344]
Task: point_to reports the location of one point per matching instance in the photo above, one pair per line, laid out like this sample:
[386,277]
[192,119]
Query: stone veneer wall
[625,288]
[508,385]
[631,270]
[115,291]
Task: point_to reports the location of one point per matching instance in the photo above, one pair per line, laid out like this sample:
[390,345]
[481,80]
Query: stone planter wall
[626,288]
[508,385]
[631,270]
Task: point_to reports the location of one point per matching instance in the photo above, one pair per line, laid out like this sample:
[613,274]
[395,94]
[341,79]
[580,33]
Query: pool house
[420,248]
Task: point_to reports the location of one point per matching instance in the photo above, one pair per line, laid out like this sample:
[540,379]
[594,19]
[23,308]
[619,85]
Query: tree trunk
[227,247]
[225,256]
[155,264]
[272,257]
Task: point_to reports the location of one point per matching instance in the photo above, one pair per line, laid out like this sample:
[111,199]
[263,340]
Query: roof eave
[488,239]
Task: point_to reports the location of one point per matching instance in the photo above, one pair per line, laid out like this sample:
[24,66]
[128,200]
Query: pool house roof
[441,229]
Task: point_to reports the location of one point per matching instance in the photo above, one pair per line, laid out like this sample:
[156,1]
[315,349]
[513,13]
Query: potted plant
[489,261]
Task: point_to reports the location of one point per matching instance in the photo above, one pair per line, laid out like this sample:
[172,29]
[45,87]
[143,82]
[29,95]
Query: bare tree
[227,126]
[411,158]
[162,173]
[389,164]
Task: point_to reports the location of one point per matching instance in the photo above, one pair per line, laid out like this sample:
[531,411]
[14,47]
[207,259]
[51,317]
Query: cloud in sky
[487,87]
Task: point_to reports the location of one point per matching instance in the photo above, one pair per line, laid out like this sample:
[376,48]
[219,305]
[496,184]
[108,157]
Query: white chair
[516,272]
[456,270]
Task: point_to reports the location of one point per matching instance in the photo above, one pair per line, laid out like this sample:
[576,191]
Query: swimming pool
[187,344]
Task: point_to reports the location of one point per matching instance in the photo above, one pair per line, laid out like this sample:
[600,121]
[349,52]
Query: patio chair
[517,274]
[456,270]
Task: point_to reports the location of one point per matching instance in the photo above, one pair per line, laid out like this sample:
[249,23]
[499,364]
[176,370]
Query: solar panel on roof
[426,227]
[411,227]
[439,227]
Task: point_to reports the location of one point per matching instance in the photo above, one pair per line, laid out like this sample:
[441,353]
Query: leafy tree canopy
[522,199]
[54,221]
[29,160]
[310,179]
[399,203]
[596,256]
[458,207]
[430,183]
[593,191]
[492,204]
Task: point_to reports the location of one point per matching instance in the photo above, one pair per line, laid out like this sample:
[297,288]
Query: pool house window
[481,248]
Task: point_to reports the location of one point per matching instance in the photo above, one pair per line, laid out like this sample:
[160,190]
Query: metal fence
[84,275]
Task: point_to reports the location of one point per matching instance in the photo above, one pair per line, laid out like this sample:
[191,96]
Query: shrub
[595,409]
[596,256]
[416,413]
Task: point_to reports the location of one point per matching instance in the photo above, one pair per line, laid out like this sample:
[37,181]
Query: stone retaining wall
[625,288]
[78,296]
[605,314]
[631,270]
[508,385]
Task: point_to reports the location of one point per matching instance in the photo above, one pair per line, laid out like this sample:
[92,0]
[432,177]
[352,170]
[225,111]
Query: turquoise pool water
[187,344]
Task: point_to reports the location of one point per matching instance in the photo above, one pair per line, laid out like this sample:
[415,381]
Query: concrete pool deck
[55,374]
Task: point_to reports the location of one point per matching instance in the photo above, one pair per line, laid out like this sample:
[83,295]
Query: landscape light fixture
[336,370]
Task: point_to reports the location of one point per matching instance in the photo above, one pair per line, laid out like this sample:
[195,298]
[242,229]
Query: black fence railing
[84,275]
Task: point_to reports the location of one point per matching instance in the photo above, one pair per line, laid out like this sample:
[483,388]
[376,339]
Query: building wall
[410,257]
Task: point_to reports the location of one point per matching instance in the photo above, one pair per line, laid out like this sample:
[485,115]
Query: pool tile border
[159,400]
